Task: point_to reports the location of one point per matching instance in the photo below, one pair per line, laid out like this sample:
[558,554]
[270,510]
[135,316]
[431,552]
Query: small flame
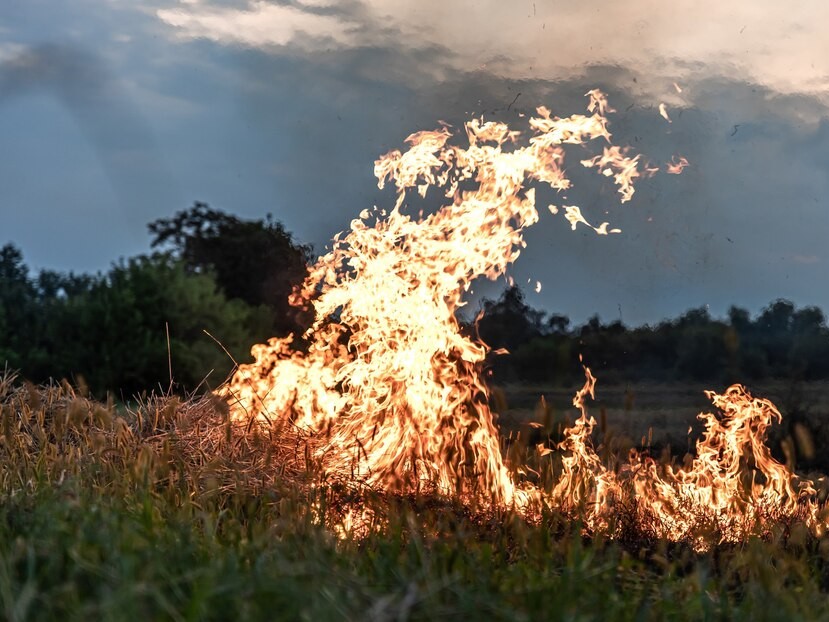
[733,487]
[614,162]
[676,165]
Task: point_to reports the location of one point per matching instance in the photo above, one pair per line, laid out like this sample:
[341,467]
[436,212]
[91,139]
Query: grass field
[155,515]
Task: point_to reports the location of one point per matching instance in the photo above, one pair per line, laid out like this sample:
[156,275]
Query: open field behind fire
[170,512]
[658,415]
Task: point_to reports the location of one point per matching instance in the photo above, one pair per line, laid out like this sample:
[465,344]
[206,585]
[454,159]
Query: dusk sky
[116,112]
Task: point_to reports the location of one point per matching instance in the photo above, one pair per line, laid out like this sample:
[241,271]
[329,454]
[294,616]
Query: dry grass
[169,510]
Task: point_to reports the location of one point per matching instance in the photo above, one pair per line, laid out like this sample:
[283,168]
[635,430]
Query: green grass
[147,518]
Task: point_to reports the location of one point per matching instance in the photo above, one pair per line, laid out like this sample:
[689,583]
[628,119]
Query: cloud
[765,41]
[83,83]
[259,24]
[283,106]
[10,51]
[701,237]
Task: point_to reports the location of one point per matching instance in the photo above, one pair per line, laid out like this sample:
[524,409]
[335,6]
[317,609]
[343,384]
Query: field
[663,417]
[167,512]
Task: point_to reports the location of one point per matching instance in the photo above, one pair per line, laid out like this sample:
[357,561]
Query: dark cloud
[80,80]
[81,83]
[294,130]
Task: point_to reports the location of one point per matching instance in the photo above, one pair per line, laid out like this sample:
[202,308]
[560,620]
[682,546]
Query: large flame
[391,388]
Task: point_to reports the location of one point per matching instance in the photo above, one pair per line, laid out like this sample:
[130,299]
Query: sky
[114,113]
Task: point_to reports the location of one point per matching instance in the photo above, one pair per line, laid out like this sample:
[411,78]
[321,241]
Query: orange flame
[731,489]
[392,390]
[676,165]
[389,383]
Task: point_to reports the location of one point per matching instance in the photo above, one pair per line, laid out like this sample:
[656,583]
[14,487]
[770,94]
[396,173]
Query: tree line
[782,341]
[214,284]
[211,277]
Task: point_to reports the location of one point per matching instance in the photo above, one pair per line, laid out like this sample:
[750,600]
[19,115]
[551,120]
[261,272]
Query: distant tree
[702,352]
[6,355]
[509,321]
[114,335]
[593,326]
[751,357]
[776,319]
[694,317]
[256,261]
[51,285]
[774,333]
[809,351]
[739,319]
[605,347]
[558,324]
[808,321]
[18,308]
[704,348]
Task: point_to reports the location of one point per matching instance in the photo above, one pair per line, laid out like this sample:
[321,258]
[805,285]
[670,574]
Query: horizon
[475,303]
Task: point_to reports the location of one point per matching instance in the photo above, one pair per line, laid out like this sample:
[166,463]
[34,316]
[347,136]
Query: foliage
[781,342]
[110,331]
[229,277]
[233,278]
[151,295]
[256,261]
[17,306]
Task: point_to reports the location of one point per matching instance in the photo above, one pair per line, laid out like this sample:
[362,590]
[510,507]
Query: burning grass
[173,510]
[390,391]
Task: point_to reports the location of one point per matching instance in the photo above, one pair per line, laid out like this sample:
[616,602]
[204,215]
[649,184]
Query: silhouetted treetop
[256,261]
[509,321]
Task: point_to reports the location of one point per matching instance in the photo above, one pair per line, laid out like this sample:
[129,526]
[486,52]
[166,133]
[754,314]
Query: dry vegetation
[167,510]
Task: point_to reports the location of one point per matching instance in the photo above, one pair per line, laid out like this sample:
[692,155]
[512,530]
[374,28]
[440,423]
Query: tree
[558,324]
[509,322]
[702,352]
[18,308]
[777,317]
[114,336]
[809,351]
[774,332]
[808,321]
[256,261]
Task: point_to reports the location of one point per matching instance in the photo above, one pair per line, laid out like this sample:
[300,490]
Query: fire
[663,112]
[676,165]
[733,488]
[390,389]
